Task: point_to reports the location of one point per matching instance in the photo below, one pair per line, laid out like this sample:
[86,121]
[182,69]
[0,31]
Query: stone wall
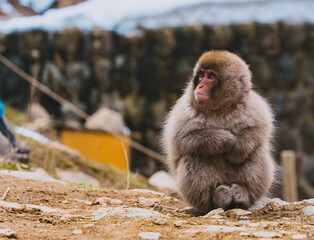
[143,75]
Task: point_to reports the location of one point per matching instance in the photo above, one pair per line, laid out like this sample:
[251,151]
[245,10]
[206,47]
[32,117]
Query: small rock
[245,222]
[299,236]
[238,212]
[102,200]
[214,212]
[88,203]
[231,224]
[167,198]
[254,224]
[308,211]
[286,219]
[116,202]
[88,225]
[266,234]
[77,232]
[278,201]
[147,191]
[178,223]
[79,200]
[65,201]
[149,235]
[160,221]
[216,217]
[7,232]
[309,201]
[146,202]
[260,204]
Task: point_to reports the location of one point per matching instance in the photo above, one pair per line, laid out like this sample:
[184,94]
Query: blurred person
[21,151]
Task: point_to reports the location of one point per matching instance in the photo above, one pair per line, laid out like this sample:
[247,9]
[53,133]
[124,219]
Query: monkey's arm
[246,141]
[204,141]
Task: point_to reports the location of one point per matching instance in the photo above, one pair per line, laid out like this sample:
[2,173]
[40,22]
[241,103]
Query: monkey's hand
[204,141]
[246,141]
[221,141]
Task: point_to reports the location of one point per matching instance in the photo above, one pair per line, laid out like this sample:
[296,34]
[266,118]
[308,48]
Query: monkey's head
[220,78]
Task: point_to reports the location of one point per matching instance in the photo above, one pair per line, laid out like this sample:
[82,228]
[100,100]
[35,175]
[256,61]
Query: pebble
[239,212]
[126,213]
[299,236]
[146,202]
[214,212]
[216,228]
[309,201]
[266,234]
[286,219]
[160,221]
[88,203]
[254,224]
[178,223]
[88,225]
[116,202]
[148,191]
[308,211]
[7,232]
[278,201]
[65,201]
[102,200]
[149,235]
[79,200]
[167,198]
[247,222]
[77,232]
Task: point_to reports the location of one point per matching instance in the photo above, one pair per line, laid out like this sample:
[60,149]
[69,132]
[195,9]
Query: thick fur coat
[220,152]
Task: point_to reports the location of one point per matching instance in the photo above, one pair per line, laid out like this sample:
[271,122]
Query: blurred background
[125,63]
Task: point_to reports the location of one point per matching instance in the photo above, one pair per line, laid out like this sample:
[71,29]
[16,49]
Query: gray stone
[299,236]
[126,213]
[309,201]
[38,176]
[103,200]
[265,234]
[178,223]
[163,180]
[308,211]
[146,202]
[149,235]
[278,201]
[17,206]
[89,225]
[216,228]
[239,212]
[245,222]
[77,176]
[107,120]
[260,204]
[116,202]
[147,191]
[77,232]
[214,212]
[7,232]
[160,221]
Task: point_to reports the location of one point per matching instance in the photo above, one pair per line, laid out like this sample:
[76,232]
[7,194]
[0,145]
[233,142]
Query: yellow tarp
[97,146]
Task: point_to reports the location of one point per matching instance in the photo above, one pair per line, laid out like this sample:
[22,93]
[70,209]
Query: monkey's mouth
[201,97]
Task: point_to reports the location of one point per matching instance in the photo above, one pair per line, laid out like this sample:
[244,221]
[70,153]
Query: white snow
[124,16]
[37,5]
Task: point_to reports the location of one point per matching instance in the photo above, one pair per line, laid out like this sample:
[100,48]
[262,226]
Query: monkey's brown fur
[219,152]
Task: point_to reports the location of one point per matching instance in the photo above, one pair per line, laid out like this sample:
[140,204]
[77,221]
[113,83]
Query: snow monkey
[217,136]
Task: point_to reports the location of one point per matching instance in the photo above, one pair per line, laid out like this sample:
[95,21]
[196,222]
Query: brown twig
[5,194]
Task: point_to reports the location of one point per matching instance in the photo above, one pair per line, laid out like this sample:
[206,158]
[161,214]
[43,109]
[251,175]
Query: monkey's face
[205,80]
[220,78]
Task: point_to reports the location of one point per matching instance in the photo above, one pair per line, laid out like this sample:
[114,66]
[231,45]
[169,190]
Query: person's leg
[7,133]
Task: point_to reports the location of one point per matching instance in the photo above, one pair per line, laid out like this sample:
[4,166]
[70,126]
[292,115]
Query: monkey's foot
[222,197]
[240,196]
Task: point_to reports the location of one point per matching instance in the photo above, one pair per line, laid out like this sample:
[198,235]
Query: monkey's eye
[211,75]
[201,75]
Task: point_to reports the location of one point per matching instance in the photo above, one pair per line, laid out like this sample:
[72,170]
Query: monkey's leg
[222,197]
[240,196]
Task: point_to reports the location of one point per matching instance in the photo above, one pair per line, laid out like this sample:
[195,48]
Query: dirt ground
[74,217]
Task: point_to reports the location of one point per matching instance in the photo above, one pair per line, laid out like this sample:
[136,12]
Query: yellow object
[97,146]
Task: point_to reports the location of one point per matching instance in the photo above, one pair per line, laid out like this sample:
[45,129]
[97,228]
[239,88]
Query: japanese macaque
[217,137]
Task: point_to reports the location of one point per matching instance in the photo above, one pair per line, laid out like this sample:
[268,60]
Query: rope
[79,112]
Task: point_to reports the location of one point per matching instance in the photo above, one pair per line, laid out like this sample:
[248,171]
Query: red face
[206,80]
